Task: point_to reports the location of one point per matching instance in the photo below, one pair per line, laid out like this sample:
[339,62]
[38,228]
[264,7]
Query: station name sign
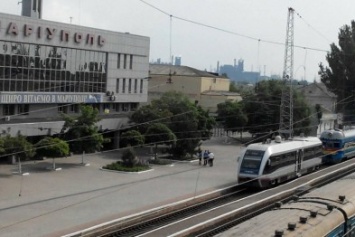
[49,33]
[29,98]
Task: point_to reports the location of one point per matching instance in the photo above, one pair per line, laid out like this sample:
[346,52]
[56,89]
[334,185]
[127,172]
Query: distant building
[236,72]
[178,61]
[317,93]
[206,89]
[174,60]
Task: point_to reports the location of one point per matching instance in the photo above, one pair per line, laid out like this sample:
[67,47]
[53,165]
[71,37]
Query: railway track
[210,215]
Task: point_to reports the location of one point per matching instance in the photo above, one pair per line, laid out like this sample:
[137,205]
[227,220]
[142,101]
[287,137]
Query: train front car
[249,164]
[266,164]
[337,145]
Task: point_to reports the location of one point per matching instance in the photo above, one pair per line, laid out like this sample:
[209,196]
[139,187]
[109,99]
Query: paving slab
[55,203]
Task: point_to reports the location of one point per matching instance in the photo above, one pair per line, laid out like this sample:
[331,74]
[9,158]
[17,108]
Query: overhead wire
[228,31]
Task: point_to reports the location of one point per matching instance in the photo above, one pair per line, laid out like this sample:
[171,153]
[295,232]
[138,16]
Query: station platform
[50,203]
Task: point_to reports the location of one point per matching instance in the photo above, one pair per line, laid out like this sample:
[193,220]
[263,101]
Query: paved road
[55,203]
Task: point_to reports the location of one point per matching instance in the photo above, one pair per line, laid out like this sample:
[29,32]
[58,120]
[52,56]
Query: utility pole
[286,108]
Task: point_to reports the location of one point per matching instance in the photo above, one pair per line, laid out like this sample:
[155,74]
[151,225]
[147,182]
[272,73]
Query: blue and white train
[328,211]
[276,161]
[338,145]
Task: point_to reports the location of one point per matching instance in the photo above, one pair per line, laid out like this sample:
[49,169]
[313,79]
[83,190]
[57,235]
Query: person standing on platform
[205,157]
[210,158]
[199,155]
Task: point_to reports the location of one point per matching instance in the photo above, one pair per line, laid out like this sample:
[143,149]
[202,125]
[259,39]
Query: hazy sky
[316,26]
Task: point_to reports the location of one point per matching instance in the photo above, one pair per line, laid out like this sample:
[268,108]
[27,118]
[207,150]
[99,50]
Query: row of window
[129,85]
[278,161]
[31,67]
[21,109]
[24,109]
[124,61]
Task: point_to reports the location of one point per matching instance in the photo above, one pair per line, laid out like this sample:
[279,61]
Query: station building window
[124,85]
[135,85]
[131,61]
[118,60]
[117,85]
[63,108]
[8,110]
[129,85]
[124,61]
[23,109]
[35,68]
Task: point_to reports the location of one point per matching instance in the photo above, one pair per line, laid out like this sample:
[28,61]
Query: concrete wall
[214,84]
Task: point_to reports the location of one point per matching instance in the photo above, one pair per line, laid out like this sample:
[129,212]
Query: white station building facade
[49,68]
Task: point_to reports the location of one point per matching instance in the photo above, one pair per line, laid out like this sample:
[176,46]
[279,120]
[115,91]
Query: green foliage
[82,133]
[319,112]
[18,146]
[129,158]
[149,113]
[118,166]
[263,109]
[52,147]
[205,123]
[339,77]
[188,122]
[233,87]
[231,115]
[159,133]
[2,149]
[132,138]
[301,114]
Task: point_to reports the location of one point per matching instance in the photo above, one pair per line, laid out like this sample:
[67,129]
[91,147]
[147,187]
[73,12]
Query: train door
[299,158]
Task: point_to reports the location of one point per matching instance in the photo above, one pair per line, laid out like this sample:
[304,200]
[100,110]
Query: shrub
[120,167]
[129,158]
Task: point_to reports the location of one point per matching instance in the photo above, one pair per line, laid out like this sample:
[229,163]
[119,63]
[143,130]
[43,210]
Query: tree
[339,77]
[148,114]
[52,148]
[232,116]
[82,133]
[185,119]
[18,147]
[2,149]
[132,138]
[129,158]
[263,109]
[233,87]
[159,133]
[319,113]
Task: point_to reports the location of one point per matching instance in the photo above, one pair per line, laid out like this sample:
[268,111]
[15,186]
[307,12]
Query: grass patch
[118,166]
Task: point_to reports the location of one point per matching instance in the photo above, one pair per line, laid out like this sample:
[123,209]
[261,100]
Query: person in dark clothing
[199,155]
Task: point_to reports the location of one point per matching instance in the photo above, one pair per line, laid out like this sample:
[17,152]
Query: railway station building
[49,68]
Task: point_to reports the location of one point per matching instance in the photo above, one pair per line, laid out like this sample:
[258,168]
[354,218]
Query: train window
[332,145]
[252,159]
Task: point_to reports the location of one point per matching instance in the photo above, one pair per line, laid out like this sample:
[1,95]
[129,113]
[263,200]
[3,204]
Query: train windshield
[331,144]
[252,159]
